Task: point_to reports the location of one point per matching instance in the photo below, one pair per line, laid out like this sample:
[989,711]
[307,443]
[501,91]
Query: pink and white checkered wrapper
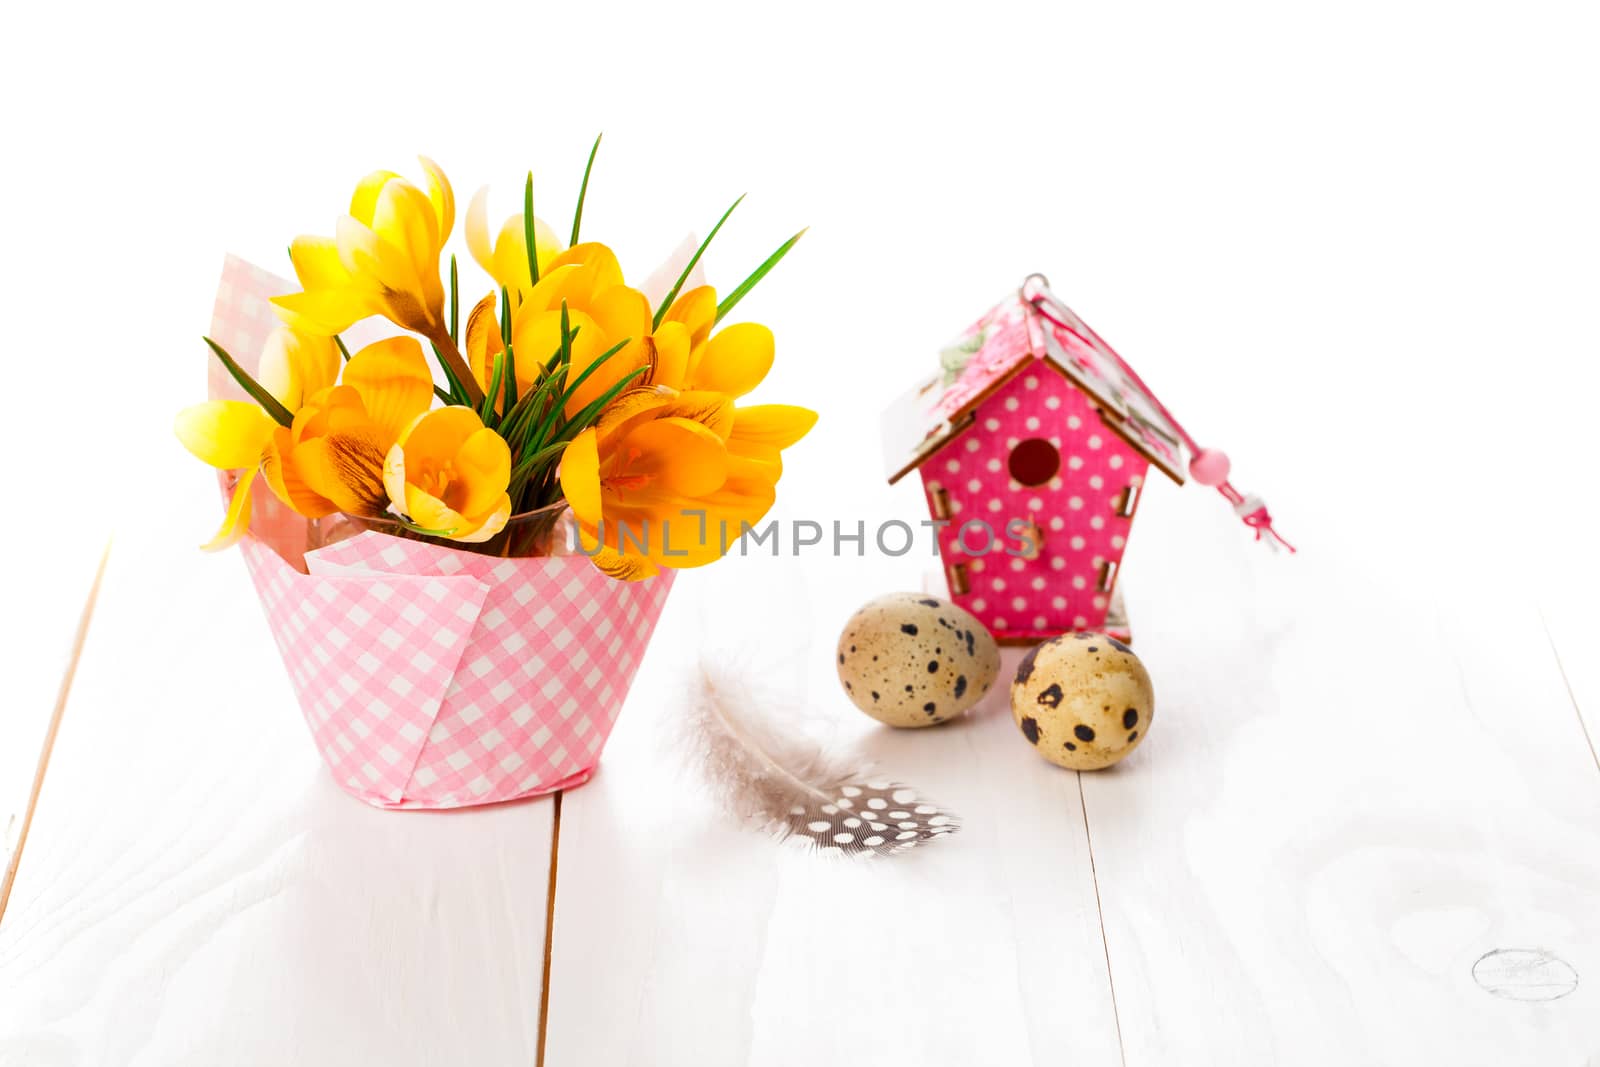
[432,677]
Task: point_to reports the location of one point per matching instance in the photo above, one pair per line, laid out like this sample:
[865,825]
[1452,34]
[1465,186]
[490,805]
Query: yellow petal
[677,455]
[365,200]
[580,477]
[324,312]
[392,379]
[511,251]
[483,470]
[634,356]
[734,361]
[697,310]
[490,524]
[317,264]
[737,503]
[432,514]
[228,434]
[671,344]
[346,468]
[404,218]
[283,478]
[598,261]
[442,197]
[712,410]
[374,263]
[511,256]
[623,568]
[477,227]
[295,365]
[483,341]
[621,313]
[778,425]
[747,459]
[439,434]
[237,521]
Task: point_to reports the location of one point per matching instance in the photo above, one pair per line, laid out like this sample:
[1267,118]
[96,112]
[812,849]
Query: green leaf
[269,403]
[343,351]
[577,383]
[561,405]
[458,394]
[511,379]
[567,335]
[528,230]
[583,191]
[455,302]
[407,524]
[538,459]
[520,423]
[585,418]
[672,294]
[760,272]
[491,394]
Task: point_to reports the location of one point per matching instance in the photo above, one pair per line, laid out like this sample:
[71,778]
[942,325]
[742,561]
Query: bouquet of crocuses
[562,385]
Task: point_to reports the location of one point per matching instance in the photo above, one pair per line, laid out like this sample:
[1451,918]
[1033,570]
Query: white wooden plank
[1358,784]
[681,938]
[197,891]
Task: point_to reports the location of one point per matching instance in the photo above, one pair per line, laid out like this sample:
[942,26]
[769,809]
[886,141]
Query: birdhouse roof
[1030,326]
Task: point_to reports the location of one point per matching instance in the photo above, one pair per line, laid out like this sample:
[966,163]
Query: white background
[1354,244]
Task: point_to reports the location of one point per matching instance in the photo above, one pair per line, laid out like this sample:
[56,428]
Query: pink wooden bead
[1210,466]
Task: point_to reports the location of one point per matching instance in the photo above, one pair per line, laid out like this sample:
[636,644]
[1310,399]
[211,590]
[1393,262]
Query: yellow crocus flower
[383,259]
[448,474]
[506,258]
[231,435]
[601,310]
[294,365]
[331,457]
[653,483]
[732,361]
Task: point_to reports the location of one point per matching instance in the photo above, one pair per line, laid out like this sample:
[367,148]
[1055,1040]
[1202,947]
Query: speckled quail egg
[1082,700]
[909,659]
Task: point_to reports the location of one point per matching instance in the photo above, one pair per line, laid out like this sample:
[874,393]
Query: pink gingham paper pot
[432,677]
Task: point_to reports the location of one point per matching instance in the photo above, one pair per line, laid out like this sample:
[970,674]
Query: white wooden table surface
[1365,829]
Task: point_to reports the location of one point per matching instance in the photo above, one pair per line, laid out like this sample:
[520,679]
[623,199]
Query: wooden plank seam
[82,632]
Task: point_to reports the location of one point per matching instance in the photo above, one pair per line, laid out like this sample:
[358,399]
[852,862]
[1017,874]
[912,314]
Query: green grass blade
[585,418]
[458,395]
[343,351]
[560,405]
[511,379]
[689,268]
[528,230]
[583,192]
[269,403]
[491,394]
[455,303]
[529,416]
[760,272]
[566,335]
[425,531]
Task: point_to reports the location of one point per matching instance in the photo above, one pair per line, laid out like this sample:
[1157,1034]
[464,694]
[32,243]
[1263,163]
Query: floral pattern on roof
[1029,324]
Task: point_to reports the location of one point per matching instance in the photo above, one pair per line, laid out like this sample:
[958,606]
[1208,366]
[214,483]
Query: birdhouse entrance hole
[1034,461]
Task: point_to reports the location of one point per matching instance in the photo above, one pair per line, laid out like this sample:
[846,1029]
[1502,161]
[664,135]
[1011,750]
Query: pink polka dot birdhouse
[1034,440]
